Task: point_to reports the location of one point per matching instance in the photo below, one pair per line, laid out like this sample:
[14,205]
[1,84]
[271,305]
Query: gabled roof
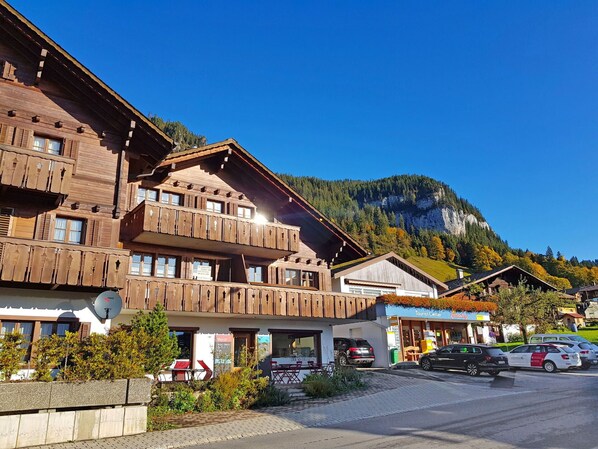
[346,248]
[350,267]
[156,145]
[456,285]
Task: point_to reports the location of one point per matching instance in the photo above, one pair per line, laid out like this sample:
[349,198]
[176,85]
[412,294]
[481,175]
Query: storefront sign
[433,314]
[223,344]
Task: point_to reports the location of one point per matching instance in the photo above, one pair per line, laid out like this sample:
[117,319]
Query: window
[257,273]
[170,198]
[68,230]
[184,339]
[300,278]
[297,345]
[141,264]
[47,145]
[144,194]
[29,328]
[292,277]
[166,266]
[245,212]
[215,206]
[203,270]
[371,291]
[308,279]
[519,350]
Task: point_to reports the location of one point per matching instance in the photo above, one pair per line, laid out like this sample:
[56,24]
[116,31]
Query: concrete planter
[35,413]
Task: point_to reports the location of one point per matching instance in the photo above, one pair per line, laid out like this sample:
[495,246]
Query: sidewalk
[387,394]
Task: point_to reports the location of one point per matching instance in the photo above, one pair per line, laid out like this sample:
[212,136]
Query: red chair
[180,370]
[293,372]
[278,374]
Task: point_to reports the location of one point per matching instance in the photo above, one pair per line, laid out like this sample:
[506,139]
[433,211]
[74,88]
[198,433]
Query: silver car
[584,349]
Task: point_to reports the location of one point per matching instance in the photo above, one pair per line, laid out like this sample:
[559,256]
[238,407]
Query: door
[518,356]
[443,357]
[243,348]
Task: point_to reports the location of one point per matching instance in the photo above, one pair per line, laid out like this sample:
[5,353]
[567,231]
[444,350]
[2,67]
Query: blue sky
[497,99]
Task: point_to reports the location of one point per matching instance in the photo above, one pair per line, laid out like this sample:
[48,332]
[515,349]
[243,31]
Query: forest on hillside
[377,228]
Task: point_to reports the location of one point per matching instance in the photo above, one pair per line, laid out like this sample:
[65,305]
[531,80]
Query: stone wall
[35,413]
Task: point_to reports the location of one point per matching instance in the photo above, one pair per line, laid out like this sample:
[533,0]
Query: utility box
[394,356]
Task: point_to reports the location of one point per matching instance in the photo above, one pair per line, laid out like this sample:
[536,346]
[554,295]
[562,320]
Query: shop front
[412,331]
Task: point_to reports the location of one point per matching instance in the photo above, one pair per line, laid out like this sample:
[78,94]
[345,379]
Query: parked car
[353,351]
[550,357]
[542,338]
[474,359]
[585,351]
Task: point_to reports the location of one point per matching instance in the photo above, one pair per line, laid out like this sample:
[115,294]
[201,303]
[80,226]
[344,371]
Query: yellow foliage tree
[436,249]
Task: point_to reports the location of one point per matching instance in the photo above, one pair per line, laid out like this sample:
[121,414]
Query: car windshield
[567,349]
[362,343]
[585,346]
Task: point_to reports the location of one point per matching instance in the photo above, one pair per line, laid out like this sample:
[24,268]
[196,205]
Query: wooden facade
[92,198]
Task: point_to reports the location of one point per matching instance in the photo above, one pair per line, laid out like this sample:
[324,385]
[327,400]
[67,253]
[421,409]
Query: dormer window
[47,145]
[216,207]
[245,212]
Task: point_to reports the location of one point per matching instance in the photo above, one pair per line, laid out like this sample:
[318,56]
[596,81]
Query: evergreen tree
[549,253]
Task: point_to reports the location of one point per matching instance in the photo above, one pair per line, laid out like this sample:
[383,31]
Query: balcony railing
[33,170]
[23,260]
[193,228]
[185,295]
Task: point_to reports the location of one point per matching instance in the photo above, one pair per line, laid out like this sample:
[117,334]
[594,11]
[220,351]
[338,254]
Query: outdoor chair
[278,374]
[293,372]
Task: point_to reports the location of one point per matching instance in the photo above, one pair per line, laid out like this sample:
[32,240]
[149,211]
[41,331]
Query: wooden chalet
[93,198]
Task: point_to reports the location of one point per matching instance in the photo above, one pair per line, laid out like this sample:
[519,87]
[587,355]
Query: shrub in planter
[11,353]
[183,401]
[51,352]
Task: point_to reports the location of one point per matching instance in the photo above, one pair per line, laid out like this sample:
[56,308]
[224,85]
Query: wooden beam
[40,66]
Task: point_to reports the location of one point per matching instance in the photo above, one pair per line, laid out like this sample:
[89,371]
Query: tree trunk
[523,328]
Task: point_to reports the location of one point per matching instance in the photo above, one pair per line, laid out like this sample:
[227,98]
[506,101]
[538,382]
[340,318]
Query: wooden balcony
[59,264]
[33,170]
[183,227]
[185,295]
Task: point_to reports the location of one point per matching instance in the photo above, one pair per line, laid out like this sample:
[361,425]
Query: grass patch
[440,269]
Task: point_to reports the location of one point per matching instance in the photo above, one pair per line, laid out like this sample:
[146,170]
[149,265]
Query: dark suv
[353,351]
[472,358]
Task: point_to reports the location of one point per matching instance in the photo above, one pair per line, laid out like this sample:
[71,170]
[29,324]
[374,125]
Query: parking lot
[536,380]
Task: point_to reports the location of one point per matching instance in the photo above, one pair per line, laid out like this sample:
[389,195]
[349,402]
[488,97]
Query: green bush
[183,401]
[11,353]
[53,352]
[238,389]
[319,386]
[272,397]
[205,402]
[343,379]
[156,418]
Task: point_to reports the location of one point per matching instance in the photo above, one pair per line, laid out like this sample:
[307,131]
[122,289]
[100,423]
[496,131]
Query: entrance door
[243,348]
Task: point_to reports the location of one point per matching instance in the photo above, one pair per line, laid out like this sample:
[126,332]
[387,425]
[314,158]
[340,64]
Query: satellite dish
[108,305]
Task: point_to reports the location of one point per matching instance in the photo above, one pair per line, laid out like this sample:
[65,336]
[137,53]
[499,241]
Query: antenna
[107,305]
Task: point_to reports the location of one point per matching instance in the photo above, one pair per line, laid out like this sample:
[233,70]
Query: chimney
[459,273]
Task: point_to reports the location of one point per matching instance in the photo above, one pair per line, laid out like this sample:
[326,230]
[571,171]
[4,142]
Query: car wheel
[342,360]
[549,366]
[472,369]
[425,364]
[494,373]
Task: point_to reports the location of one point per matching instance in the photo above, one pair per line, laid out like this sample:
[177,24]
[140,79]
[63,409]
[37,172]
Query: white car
[549,357]
[585,351]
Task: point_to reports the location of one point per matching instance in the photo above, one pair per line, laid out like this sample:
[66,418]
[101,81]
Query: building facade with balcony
[93,198]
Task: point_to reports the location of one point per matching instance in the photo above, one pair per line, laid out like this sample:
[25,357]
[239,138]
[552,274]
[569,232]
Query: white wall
[210,326]
[39,304]
[373,332]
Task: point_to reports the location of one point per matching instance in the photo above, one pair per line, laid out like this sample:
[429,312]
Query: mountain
[412,201]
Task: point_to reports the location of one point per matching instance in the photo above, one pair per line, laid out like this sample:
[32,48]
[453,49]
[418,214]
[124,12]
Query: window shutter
[5,214]
[84,330]
[23,227]
[6,133]
[71,149]
[44,225]
[8,71]
[23,138]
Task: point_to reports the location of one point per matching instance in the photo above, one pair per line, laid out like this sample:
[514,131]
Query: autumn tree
[436,249]
[485,258]
[450,255]
[524,306]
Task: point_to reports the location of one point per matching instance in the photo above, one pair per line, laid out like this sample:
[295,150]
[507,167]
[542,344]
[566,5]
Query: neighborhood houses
[107,223]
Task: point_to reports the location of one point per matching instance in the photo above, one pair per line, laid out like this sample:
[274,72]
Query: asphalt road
[552,411]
